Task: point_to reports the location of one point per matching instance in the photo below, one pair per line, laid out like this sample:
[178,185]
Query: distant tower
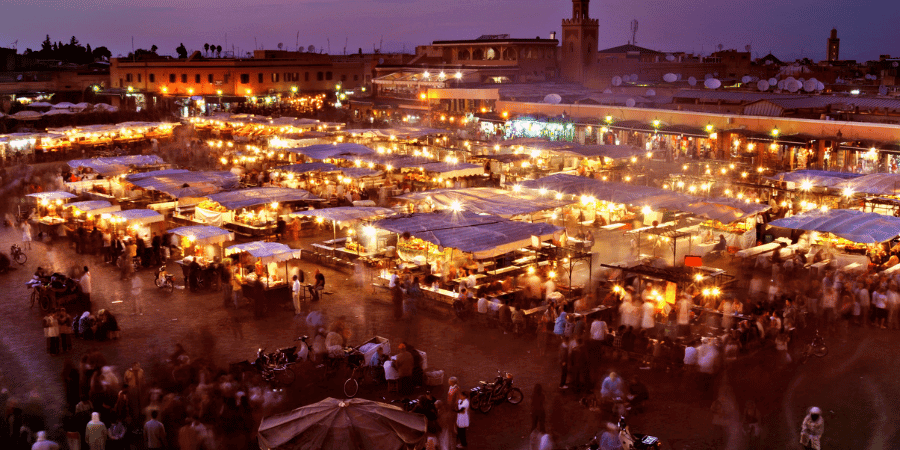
[579,44]
[834,46]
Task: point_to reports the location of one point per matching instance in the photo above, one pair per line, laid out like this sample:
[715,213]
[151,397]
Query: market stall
[115,165]
[177,190]
[359,241]
[86,213]
[252,211]
[484,200]
[267,264]
[48,212]
[143,223]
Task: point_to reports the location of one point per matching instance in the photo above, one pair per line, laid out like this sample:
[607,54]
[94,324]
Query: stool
[393,385]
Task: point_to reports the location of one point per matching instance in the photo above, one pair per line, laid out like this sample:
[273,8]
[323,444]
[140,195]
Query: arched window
[509,54]
[463,55]
[477,54]
[491,53]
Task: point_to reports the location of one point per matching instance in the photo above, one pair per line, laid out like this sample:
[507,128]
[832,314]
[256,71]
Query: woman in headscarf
[95,434]
[812,429]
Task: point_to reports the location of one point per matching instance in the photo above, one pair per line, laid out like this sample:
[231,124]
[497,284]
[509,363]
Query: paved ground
[855,384]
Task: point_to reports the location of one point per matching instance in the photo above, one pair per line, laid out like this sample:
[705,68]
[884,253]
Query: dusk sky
[789,29]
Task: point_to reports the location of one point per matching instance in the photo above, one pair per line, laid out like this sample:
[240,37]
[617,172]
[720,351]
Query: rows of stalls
[74,139]
[47,211]
[86,214]
[175,191]
[252,211]
[351,235]
[265,269]
[259,129]
[133,223]
[110,166]
[326,180]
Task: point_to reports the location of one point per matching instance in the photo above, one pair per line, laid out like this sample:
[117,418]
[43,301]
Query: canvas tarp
[204,234]
[326,151]
[725,210]
[52,195]
[852,225]
[351,424]
[346,215]
[628,194]
[139,216]
[267,252]
[452,170]
[309,167]
[876,184]
[187,184]
[116,164]
[815,178]
[94,206]
[247,198]
[484,236]
[488,201]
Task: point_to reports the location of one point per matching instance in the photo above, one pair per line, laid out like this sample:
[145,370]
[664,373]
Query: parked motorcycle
[485,396]
[632,441]
[165,280]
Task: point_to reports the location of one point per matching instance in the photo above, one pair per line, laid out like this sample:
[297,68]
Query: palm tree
[206,48]
[219,50]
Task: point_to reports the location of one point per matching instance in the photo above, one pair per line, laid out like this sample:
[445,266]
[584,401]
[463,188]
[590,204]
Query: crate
[370,349]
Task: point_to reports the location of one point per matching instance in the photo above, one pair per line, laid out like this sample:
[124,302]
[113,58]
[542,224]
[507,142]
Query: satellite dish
[762,85]
[712,83]
[630,103]
[773,81]
[678,75]
[692,81]
[380,61]
[607,91]
[746,79]
[650,93]
[820,86]
[894,64]
[616,80]
[311,49]
[781,84]
[552,99]
[670,57]
[789,79]
[810,85]
[793,85]
[670,78]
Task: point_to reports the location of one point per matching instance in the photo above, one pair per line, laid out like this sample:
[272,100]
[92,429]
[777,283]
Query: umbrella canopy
[204,234]
[333,424]
[346,215]
[852,225]
[266,251]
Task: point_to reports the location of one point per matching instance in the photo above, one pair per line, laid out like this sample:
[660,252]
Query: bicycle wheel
[820,350]
[21,257]
[351,387]
[44,302]
[285,376]
[34,297]
[514,396]
[169,286]
[158,282]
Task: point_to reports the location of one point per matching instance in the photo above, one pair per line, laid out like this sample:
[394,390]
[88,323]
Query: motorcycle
[632,441]
[17,254]
[485,396]
[274,367]
[816,347]
[165,280]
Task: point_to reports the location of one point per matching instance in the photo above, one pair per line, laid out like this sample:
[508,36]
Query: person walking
[136,295]
[462,419]
[226,276]
[85,283]
[154,432]
[51,332]
[96,433]
[42,443]
[812,429]
[64,320]
[295,295]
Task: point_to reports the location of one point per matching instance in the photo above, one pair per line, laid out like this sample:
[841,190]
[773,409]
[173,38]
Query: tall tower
[579,44]
[834,46]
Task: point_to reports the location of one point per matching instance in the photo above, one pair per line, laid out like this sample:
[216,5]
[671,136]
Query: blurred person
[462,419]
[95,434]
[538,410]
[42,443]
[154,433]
[812,429]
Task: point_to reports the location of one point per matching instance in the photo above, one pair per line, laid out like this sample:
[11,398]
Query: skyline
[786,30]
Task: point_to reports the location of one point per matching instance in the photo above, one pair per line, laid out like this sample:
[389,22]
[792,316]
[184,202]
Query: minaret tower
[579,44]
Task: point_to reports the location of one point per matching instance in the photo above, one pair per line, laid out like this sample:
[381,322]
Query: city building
[834,46]
[578,58]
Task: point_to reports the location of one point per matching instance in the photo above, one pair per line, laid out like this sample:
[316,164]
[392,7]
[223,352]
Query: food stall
[202,241]
[483,200]
[115,165]
[141,223]
[252,211]
[360,241]
[48,213]
[86,213]
[262,262]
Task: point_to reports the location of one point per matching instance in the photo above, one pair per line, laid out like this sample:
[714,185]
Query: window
[344,77]
[329,76]
[152,78]
[209,78]
[274,77]
[128,77]
[197,78]
[306,76]
[184,78]
[245,78]
[320,76]
[171,78]
[287,76]
[259,77]
[296,76]
[355,77]
[139,78]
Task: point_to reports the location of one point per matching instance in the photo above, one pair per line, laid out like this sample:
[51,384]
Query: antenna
[329,45]
[634,28]
[381,43]
[345,44]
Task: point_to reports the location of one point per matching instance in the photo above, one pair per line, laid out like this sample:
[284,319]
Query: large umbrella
[333,424]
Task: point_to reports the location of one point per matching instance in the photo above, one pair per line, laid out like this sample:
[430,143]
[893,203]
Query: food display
[211,206]
[353,246]
[735,227]
[415,248]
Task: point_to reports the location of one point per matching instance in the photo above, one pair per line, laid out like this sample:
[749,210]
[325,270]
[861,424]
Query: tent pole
[333,236]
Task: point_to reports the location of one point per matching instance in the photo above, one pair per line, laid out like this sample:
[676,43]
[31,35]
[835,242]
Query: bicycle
[280,374]
[358,371]
[40,298]
[16,253]
[815,347]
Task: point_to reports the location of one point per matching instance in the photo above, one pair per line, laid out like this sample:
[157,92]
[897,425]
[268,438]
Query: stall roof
[52,195]
[505,158]
[401,133]
[452,170]
[142,216]
[816,178]
[876,183]
[267,252]
[485,200]
[359,172]
[204,234]
[347,215]
[187,184]
[850,224]
[116,164]
[247,198]
[629,194]
[605,151]
[309,167]
[395,161]
[94,206]
[484,236]
[153,173]
[725,210]
[325,151]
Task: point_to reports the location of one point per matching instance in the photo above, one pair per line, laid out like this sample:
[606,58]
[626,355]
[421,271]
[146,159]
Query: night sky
[788,28]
